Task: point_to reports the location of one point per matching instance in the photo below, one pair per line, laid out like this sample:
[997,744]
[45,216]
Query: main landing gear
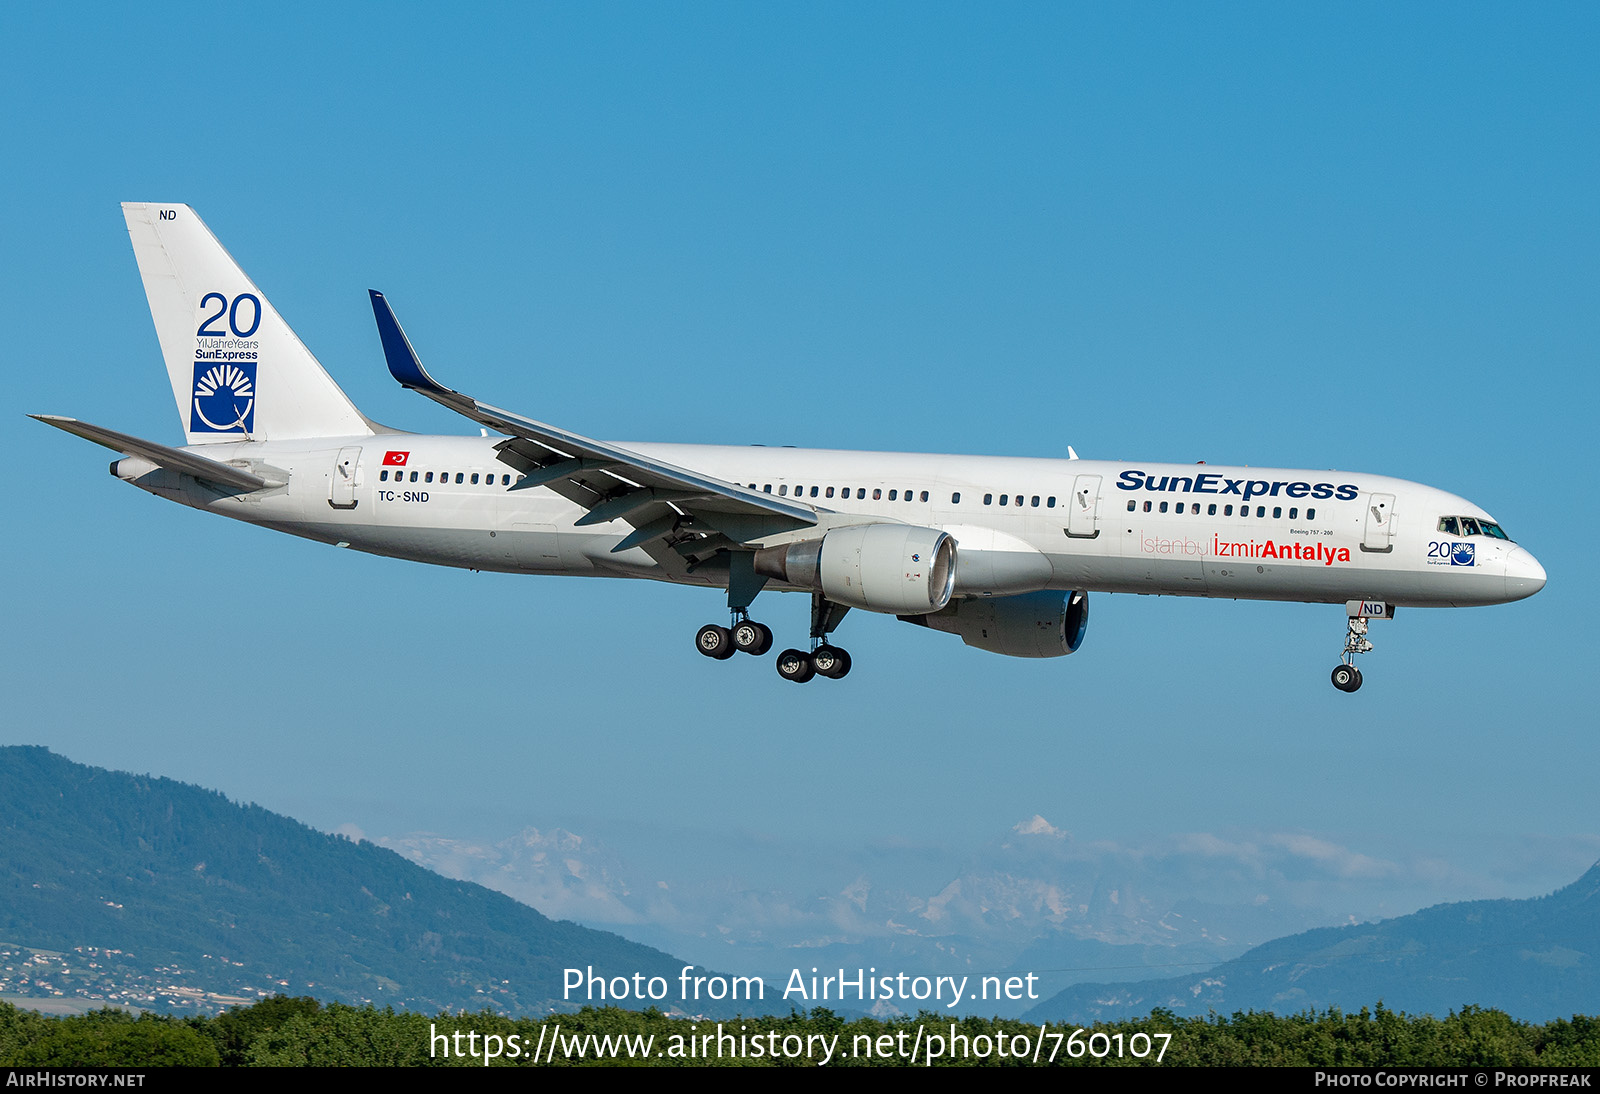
[825,660]
[1346,677]
[747,636]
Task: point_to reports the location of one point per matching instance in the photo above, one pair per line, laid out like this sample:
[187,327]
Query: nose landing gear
[1346,677]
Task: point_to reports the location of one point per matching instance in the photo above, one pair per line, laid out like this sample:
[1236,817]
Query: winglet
[404,364]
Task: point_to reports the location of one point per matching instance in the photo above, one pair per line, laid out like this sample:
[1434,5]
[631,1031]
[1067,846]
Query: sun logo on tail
[224,398]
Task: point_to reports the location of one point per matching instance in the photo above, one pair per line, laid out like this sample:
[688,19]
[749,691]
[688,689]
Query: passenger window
[766,488]
[413,476]
[1311,514]
[428,477]
[1131,505]
[1211,510]
[894,495]
[1163,507]
[1294,513]
[783,490]
[1261,510]
[383,476]
[1277,512]
[814,491]
[861,493]
[1146,507]
[505,480]
[924,495]
[460,478]
[877,493]
[1035,501]
[988,499]
[955,499]
[830,492]
[1003,498]
[1050,502]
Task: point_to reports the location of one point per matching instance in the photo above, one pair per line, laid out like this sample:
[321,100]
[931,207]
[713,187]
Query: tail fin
[237,370]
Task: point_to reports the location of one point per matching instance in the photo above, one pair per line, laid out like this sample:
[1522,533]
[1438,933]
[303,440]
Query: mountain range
[1536,959]
[108,879]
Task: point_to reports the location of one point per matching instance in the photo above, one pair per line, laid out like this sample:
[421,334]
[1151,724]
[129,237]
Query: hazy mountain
[1536,959]
[1032,900]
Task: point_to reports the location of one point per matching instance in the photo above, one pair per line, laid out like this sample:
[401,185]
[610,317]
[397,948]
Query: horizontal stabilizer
[173,459]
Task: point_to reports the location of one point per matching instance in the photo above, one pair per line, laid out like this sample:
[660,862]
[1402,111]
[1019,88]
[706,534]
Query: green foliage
[284,1032]
[341,1036]
[237,1029]
[114,1038]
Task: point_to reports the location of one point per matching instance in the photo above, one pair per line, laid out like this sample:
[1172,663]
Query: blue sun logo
[224,398]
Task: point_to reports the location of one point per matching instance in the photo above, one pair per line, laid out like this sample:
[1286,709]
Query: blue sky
[1354,236]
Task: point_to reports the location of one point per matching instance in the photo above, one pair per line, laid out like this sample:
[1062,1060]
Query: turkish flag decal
[395,459]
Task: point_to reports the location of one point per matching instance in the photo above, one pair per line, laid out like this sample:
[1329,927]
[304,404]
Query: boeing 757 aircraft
[1002,552]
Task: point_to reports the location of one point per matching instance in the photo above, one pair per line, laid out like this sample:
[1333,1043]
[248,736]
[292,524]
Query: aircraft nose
[1524,575]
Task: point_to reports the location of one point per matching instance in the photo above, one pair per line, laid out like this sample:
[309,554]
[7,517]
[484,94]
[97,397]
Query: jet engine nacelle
[1047,624]
[898,569]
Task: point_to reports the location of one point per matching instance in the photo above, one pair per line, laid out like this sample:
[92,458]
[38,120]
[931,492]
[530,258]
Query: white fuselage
[1020,524]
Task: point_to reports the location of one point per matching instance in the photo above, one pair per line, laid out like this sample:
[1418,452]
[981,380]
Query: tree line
[285,1031]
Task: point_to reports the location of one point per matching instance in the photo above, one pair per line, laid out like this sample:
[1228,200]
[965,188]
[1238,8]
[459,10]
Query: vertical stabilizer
[237,370]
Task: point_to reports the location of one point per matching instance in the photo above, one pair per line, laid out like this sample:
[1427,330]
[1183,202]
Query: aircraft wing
[173,459]
[658,499]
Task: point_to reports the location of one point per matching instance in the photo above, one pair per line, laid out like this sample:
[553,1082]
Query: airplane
[1002,552]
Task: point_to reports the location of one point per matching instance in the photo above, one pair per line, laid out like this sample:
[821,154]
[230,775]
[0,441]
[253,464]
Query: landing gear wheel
[714,641]
[1347,678]
[751,637]
[831,661]
[796,665]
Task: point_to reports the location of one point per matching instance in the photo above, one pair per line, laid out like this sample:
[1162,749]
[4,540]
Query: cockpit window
[1472,526]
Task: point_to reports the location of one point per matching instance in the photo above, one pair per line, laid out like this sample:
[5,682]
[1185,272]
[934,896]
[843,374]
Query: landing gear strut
[823,660]
[1346,677]
[745,635]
